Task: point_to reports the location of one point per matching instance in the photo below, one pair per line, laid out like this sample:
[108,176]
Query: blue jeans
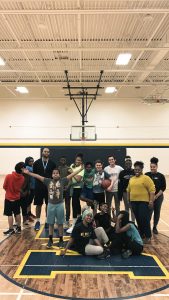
[87,193]
[142,214]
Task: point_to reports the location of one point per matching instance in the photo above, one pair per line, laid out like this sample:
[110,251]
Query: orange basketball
[105,183]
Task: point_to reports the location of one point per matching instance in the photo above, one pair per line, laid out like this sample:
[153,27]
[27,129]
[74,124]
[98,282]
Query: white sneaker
[70,229]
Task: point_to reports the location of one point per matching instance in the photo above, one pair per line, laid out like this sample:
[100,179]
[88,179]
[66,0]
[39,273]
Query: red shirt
[12,185]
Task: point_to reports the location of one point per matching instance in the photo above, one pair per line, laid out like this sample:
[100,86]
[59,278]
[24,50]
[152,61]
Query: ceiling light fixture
[110,90]
[2,62]
[123,59]
[22,90]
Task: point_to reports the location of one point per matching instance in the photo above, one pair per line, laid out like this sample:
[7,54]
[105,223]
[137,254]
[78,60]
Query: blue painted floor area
[42,263]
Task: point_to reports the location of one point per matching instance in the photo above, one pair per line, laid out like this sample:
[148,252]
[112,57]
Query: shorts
[87,193]
[41,194]
[99,197]
[30,197]
[11,207]
[55,211]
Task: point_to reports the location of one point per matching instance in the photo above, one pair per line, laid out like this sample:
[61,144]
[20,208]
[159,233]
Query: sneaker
[70,229]
[49,244]
[15,225]
[104,255]
[9,232]
[126,254]
[37,226]
[155,231]
[18,230]
[46,225]
[61,244]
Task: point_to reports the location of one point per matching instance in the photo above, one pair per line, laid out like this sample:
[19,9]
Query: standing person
[99,176]
[140,192]
[55,209]
[43,167]
[29,161]
[12,186]
[64,171]
[112,191]
[124,178]
[88,178]
[76,188]
[160,185]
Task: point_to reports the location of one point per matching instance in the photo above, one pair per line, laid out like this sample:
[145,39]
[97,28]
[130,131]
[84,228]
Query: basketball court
[64,85]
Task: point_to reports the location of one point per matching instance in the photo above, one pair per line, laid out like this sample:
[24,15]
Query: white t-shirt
[114,174]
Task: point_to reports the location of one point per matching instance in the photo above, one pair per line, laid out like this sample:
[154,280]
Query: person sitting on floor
[132,241]
[87,240]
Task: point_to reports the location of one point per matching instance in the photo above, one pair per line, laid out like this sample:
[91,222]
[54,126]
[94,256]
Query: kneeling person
[55,208]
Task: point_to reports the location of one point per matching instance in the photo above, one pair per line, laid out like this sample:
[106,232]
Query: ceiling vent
[155,100]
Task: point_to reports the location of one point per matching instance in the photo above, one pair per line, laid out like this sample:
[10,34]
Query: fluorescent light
[22,90]
[123,59]
[110,90]
[2,62]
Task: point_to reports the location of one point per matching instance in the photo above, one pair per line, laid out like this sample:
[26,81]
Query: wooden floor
[74,286]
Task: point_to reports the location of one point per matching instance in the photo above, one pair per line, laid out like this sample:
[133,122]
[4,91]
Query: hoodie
[12,185]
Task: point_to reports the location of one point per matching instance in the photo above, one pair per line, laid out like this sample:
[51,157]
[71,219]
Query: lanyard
[45,163]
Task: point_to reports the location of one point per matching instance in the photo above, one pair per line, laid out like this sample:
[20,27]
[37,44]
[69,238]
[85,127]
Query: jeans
[109,196]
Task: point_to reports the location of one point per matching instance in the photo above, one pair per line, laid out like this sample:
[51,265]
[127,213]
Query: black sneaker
[9,232]
[126,254]
[18,230]
[104,255]
[49,244]
[155,231]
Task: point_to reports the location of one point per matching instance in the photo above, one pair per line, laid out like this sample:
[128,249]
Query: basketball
[105,183]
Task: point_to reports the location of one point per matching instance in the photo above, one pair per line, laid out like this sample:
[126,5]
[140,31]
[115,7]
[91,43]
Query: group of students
[142,194]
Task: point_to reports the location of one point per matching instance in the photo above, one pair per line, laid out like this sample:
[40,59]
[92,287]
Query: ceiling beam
[83,71]
[112,49]
[83,11]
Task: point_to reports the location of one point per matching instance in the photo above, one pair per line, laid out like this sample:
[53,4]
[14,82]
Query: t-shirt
[88,178]
[103,220]
[76,184]
[159,181]
[55,189]
[124,178]
[133,233]
[140,187]
[82,234]
[98,177]
[114,175]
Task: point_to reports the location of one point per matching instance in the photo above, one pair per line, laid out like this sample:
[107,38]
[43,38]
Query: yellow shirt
[140,188]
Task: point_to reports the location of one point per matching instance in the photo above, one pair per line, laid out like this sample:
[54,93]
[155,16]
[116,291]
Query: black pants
[66,196]
[142,214]
[23,205]
[76,202]
[128,244]
[156,209]
[99,197]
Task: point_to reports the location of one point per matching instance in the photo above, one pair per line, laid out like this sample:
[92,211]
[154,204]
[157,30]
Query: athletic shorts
[40,196]
[55,211]
[11,207]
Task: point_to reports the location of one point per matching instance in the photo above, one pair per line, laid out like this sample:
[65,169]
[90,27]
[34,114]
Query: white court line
[164,222]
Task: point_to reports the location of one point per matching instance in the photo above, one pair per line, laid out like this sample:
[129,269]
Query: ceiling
[39,40]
